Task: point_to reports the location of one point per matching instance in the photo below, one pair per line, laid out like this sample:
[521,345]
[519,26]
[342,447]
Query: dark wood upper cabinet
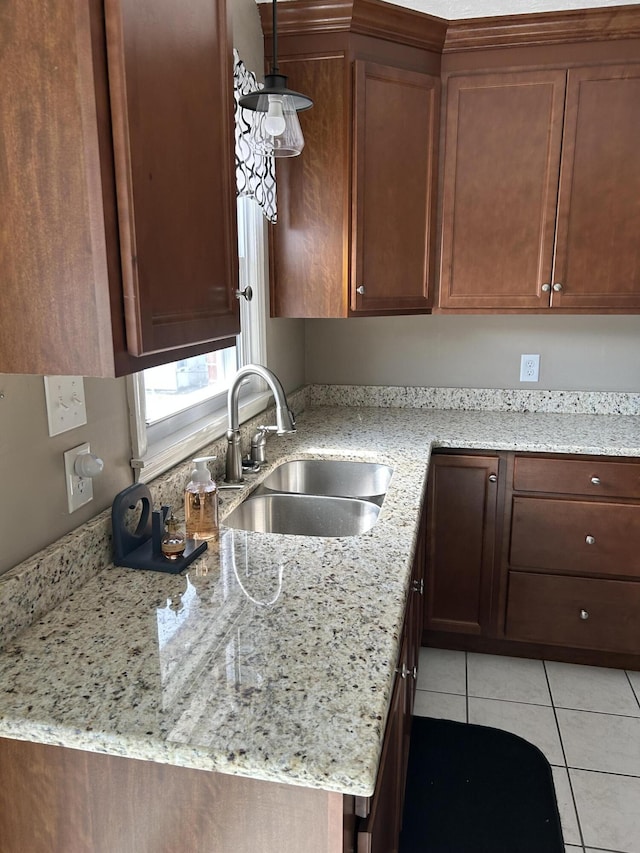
[502,156]
[597,260]
[540,197]
[356,211]
[394,183]
[117,184]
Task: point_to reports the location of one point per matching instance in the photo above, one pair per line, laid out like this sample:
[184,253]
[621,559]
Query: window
[178,408]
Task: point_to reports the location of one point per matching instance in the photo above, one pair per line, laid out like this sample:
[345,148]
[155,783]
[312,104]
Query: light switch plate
[66,407]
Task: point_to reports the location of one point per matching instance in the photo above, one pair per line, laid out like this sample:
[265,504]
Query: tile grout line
[637,698]
[564,755]
[466,683]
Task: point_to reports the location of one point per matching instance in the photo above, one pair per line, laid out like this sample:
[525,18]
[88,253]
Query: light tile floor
[585,719]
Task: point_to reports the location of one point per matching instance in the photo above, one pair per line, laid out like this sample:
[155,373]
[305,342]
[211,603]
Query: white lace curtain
[255,175]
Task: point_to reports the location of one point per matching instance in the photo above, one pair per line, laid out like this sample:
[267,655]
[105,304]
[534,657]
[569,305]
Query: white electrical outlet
[79,489]
[529,368]
[65,403]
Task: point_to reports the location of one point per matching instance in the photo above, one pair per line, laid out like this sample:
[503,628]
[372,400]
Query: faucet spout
[285,422]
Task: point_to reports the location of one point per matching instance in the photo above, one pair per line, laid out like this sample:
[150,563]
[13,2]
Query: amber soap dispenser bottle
[201,502]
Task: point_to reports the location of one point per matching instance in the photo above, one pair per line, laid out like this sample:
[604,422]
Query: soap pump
[201,502]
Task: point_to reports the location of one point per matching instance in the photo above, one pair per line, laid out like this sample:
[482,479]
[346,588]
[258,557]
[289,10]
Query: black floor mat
[473,789]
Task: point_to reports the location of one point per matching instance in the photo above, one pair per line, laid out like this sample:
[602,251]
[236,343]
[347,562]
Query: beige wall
[576,353]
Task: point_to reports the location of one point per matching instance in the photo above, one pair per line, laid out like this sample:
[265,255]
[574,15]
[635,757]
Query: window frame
[154,451]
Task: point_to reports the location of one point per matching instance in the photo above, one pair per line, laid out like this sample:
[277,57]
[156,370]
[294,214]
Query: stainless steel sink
[304,515]
[331,477]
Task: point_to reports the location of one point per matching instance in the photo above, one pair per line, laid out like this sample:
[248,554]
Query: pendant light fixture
[276,130]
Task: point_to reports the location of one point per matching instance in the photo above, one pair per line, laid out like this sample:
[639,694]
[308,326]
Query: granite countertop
[272,656]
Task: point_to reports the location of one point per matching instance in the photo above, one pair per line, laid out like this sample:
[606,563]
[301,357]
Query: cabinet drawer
[583,537]
[576,476]
[579,612]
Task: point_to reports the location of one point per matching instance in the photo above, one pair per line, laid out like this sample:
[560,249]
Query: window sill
[186,443]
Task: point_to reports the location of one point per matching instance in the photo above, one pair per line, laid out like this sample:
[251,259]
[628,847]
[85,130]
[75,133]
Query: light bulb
[274,123]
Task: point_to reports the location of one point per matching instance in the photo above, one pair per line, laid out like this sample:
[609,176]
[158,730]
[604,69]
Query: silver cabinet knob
[493,478]
[590,540]
[584,615]
[595,481]
[557,287]
[247,293]
[360,289]
[545,288]
[404,671]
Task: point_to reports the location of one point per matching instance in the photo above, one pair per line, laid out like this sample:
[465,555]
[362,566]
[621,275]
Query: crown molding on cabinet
[544,28]
[408,27]
[364,17]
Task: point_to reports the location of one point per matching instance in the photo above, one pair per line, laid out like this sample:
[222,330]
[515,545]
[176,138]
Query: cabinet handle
[595,481]
[414,673]
[590,540]
[403,672]
[360,289]
[247,293]
[545,288]
[584,615]
[493,478]
[557,287]
[418,586]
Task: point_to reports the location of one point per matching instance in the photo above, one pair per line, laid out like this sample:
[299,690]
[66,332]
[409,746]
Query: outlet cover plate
[529,368]
[79,489]
[66,407]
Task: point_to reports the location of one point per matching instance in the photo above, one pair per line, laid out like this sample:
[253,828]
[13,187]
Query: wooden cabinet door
[597,261]
[394,188]
[502,157]
[463,499]
[380,832]
[172,114]
[309,253]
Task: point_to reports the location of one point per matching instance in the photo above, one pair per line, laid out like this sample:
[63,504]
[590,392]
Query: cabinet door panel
[598,249]
[461,534]
[395,166]
[502,156]
[308,251]
[174,170]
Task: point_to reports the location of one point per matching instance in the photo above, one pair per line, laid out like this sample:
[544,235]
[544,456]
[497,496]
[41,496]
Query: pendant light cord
[274,64]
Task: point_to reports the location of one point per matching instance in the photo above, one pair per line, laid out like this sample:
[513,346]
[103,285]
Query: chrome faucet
[285,421]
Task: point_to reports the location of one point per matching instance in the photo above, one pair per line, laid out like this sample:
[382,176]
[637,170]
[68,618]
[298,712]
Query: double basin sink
[315,497]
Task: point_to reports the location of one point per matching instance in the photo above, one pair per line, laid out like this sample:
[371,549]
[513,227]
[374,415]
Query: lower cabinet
[462,513]
[380,816]
[547,565]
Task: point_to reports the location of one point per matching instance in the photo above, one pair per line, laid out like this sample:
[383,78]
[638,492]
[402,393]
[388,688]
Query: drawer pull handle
[418,586]
[404,671]
[595,481]
[590,540]
[584,615]
[493,478]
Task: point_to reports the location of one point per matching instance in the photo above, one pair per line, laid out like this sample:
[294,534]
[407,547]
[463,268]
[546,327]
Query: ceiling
[452,10]
[456,9]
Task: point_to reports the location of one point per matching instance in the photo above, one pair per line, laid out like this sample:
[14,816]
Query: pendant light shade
[276,130]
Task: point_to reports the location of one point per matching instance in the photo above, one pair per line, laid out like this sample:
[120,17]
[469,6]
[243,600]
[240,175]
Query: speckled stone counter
[273,656]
